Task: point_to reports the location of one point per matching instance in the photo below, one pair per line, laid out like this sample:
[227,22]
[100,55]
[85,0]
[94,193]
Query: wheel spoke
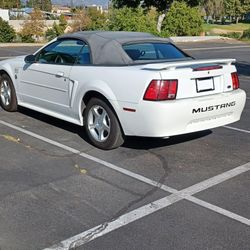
[105,121]
[100,134]
[106,128]
[95,112]
[103,116]
[5,85]
[7,100]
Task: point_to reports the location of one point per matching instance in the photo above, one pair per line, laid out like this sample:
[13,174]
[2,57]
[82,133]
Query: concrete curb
[2,45]
[182,39]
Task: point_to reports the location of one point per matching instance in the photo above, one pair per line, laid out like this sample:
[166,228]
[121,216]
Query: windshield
[153,51]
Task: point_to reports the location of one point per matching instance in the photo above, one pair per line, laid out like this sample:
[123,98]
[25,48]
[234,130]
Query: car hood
[12,62]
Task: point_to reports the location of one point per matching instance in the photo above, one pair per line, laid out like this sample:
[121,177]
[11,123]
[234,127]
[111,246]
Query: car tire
[101,125]
[8,100]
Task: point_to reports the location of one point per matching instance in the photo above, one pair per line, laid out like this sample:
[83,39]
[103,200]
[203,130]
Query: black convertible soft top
[106,46]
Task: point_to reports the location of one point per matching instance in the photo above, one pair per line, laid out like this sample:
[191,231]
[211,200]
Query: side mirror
[30,59]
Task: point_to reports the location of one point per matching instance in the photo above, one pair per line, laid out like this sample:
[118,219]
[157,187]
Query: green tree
[208,6]
[243,8]
[44,5]
[232,8]
[62,22]
[182,20]
[81,20]
[7,4]
[219,10]
[132,19]
[7,33]
[246,5]
[57,29]
[33,27]
[126,3]
[53,32]
[236,8]
[213,8]
[98,19]
[162,6]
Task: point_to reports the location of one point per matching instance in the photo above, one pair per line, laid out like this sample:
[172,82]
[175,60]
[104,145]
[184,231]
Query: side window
[61,52]
[84,56]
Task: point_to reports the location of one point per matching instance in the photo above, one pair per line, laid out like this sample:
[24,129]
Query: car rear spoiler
[174,65]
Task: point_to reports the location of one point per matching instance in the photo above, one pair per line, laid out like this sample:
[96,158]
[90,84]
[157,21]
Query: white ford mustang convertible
[123,83]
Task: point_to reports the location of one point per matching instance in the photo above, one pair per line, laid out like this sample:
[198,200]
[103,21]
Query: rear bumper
[168,118]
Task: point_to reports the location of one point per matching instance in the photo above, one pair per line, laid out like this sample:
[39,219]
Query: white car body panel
[168,118]
[42,84]
[58,90]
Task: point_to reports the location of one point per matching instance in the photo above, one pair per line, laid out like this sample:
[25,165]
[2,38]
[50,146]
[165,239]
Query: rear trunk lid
[197,77]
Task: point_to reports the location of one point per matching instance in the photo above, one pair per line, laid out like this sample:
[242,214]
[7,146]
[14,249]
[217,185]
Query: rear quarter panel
[118,84]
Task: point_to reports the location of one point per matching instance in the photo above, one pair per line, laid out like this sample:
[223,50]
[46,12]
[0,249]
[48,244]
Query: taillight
[235,80]
[160,90]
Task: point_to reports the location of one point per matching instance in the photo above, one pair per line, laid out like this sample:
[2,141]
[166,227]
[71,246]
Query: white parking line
[152,207]
[107,227]
[201,186]
[219,210]
[237,129]
[100,230]
[219,48]
[92,158]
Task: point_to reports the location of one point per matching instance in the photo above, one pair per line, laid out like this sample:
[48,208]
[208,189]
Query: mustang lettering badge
[215,107]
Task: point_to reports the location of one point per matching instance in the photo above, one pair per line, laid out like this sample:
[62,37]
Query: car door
[46,84]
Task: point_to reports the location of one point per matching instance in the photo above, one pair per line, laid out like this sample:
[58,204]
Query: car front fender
[6,67]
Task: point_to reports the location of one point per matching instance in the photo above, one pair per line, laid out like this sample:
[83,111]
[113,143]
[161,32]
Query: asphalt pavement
[186,192]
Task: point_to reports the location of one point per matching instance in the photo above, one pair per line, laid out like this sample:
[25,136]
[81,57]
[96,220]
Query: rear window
[153,51]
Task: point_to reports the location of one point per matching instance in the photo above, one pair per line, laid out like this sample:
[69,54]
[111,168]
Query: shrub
[234,35]
[7,33]
[182,20]
[246,34]
[51,33]
[54,32]
[26,38]
[57,29]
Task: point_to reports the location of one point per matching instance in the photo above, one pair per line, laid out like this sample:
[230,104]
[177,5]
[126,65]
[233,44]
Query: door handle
[60,74]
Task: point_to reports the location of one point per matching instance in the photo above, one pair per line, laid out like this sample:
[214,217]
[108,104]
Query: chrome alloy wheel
[98,123]
[5,93]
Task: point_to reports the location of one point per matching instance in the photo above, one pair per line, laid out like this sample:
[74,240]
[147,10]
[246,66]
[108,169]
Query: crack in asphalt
[103,226]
